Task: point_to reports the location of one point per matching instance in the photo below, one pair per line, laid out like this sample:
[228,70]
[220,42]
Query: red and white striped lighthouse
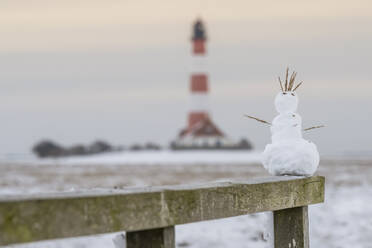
[201,132]
[199,77]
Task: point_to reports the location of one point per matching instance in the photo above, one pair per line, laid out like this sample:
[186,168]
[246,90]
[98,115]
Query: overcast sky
[76,70]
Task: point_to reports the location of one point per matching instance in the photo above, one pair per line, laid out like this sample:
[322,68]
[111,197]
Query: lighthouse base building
[205,135]
[201,132]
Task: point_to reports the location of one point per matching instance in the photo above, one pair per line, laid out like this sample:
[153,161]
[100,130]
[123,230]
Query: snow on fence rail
[149,215]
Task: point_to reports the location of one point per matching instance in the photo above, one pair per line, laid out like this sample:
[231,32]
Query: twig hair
[289,84]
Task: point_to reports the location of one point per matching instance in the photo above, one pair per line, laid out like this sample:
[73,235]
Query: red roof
[204,128]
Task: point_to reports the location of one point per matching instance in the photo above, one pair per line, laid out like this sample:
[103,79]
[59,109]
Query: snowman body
[289,153]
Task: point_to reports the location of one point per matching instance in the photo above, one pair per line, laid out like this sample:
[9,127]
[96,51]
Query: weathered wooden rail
[149,215]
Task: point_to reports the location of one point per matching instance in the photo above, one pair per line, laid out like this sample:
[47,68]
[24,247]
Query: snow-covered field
[345,220]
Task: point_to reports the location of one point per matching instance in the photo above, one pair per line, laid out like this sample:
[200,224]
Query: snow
[343,221]
[119,240]
[286,126]
[289,153]
[286,102]
[165,157]
[298,157]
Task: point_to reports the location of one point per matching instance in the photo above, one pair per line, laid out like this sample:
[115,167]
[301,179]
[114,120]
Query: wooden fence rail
[149,215]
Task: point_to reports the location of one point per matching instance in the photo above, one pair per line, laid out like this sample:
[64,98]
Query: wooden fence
[149,215]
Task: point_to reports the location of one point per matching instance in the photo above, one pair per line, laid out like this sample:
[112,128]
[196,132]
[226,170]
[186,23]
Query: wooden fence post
[153,238]
[291,228]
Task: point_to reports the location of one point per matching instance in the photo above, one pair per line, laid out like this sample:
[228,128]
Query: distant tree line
[48,148]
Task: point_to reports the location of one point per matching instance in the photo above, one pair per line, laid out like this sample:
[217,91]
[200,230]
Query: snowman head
[286,101]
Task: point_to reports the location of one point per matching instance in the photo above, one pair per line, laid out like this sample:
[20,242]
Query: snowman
[289,153]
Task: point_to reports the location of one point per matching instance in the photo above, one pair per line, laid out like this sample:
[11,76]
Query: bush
[47,148]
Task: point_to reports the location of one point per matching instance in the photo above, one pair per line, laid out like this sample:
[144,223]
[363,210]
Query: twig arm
[259,120]
[311,128]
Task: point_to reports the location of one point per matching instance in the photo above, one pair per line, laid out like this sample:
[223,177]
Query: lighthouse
[201,132]
[199,77]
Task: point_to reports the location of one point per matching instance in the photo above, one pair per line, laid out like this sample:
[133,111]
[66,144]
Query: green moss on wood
[27,219]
